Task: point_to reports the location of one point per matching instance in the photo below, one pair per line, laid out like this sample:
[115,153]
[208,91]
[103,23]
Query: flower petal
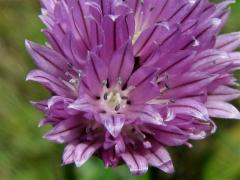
[151,38]
[113,123]
[121,65]
[137,163]
[224,93]
[145,114]
[47,59]
[82,104]
[228,42]
[65,131]
[96,73]
[50,82]
[170,135]
[68,154]
[84,151]
[48,4]
[79,11]
[158,156]
[221,109]
[117,31]
[190,84]
[190,107]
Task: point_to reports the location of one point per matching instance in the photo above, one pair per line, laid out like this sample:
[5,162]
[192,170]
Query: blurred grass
[24,155]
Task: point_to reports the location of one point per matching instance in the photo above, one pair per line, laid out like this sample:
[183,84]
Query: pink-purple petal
[137,163]
[220,109]
[84,151]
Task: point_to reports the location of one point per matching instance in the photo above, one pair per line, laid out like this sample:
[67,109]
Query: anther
[73,81]
[124,98]
[104,83]
[70,65]
[117,108]
[119,81]
[68,74]
[105,96]
[166,86]
[129,102]
[79,73]
[98,97]
[103,112]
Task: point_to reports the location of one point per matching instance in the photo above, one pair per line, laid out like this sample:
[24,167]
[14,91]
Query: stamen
[110,95]
[73,81]
[195,42]
[70,65]
[158,101]
[172,100]
[136,36]
[166,86]
[119,81]
[128,90]
[105,96]
[113,101]
[147,144]
[80,73]
[124,98]
[117,108]
[88,129]
[70,86]
[104,83]
[68,74]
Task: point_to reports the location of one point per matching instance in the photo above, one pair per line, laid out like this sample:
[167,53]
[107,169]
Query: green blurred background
[24,155]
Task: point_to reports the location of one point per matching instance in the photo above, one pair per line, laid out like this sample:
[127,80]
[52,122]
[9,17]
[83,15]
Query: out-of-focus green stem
[153,174]
[69,172]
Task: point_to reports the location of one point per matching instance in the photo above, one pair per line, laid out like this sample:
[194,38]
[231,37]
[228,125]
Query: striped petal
[65,131]
[221,109]
[84,151]
[228,42]
[190,107]
[137,163]
[47,59]
[121,65]
[49,81]
[113,124]
[158,156]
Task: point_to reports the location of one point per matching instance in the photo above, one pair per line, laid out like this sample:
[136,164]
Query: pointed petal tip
[42,123]
[48,136]
[236,116]
[28,44]
[30,75]
[33,102]
[221,109]
[139,172]
[113,132]
[167,167]
[66,162]
[113,124]
[232,1]
[79,164]
[45,136]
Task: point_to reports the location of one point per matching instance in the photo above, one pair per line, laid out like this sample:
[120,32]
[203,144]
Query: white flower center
[113,101]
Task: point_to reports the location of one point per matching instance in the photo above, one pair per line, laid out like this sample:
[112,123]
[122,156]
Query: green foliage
[24,155]
[224,163]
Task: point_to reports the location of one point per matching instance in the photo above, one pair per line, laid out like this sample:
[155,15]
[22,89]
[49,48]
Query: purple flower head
[131,77]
